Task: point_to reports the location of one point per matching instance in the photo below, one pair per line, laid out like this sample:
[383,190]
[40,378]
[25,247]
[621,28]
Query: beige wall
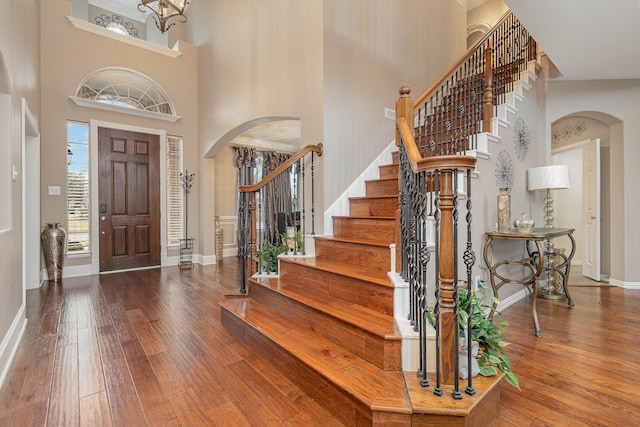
[619,101]
[68,55]
[256,59]
[371,48]
[19,78]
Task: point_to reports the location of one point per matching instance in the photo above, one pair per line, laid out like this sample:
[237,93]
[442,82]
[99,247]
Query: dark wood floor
[147,348]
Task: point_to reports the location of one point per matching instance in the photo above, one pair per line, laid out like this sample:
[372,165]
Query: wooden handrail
[283,167]
[437,84]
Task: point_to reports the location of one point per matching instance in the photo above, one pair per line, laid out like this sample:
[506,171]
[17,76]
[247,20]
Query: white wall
[617,100]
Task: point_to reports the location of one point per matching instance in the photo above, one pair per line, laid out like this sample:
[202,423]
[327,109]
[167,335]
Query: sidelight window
[77,187]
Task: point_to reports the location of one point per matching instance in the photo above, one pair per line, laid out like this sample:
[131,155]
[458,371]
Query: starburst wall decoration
[504,170]
[521,138]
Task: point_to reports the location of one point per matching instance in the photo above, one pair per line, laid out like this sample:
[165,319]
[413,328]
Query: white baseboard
[623,284]
[512,299]
[10,342]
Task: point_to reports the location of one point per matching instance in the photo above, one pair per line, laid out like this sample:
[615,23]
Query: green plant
[268,255]
[493,359]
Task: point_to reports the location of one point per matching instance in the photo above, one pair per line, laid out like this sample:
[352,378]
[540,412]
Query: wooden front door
[129,199]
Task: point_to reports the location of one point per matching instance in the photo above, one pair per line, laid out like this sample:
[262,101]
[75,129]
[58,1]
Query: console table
[534,262]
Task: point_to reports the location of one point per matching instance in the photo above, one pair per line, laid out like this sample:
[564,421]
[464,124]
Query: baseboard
[623,284]
[10,343]
[512,299]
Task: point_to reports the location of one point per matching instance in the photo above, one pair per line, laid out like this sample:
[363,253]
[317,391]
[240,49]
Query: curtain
[277,200]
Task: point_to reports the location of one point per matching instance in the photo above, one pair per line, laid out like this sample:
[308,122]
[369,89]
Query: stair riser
[389,171]
[373,207]
[382,230]
[385,187]
[376,259]
[335,400]
[385,354]
[351,290]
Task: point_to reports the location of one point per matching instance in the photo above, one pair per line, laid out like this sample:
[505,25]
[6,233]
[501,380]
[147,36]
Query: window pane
[77,186]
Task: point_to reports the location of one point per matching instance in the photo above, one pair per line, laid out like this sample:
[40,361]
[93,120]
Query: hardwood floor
[147,348]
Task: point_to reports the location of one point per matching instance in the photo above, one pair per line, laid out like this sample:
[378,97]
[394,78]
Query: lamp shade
[548,177]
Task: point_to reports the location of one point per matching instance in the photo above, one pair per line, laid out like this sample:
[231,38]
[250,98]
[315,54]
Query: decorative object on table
[547,178]
[291,240]
[163,10]
[53,239]
[504,210]
[521,138]
[504,170]
[523,224]
[219,240]
[504,180]
[186,244]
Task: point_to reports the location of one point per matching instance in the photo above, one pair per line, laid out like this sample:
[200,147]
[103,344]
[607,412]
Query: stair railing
[434,134]
[252,213]
[460,103]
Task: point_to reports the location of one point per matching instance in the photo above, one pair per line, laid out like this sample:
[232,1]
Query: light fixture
[164,10]
[548,178]
[554,177]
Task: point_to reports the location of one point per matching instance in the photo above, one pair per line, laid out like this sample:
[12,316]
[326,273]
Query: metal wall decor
[117,24]
[521,138]
[504,170]
[568,131]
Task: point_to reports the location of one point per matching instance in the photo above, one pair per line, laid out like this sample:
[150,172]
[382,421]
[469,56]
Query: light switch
[14,173]
[54,190]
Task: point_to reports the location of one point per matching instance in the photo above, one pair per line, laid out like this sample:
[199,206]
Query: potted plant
[268,256]
[492,358]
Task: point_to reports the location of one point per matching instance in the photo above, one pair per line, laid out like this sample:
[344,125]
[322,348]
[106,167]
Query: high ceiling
[585,39]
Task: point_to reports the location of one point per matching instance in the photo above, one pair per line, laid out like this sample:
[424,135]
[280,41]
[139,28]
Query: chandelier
[163,10]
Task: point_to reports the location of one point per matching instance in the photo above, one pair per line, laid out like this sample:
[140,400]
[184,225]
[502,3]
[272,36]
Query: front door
[129,199]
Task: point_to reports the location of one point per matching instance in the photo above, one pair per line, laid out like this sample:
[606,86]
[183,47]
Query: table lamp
[553,177]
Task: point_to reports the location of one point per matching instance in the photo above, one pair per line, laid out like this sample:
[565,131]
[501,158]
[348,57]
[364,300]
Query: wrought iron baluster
[469,260]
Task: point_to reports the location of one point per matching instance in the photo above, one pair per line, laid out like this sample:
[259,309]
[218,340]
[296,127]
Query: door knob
[103,218]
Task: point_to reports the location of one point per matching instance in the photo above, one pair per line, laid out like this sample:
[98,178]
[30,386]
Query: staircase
[328,321]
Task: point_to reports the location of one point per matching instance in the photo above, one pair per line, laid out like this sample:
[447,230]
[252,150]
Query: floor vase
[53,239]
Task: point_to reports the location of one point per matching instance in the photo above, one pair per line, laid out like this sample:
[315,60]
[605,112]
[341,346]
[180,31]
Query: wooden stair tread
[347,270]
[381,179]
[372,321]
[366,217]
[357,377]
[359,241]
[388,196]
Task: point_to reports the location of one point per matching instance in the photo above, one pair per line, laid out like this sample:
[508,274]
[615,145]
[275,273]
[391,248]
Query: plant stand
[186,253]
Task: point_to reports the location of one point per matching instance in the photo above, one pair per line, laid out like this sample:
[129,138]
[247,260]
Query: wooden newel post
[488,89]
[448,327]
[404,108]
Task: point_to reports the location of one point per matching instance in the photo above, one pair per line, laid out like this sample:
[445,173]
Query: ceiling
[585,39]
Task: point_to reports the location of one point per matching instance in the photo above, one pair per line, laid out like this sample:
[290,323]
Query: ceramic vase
[53,239]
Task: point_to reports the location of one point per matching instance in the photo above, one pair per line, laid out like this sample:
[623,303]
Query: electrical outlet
[54,190]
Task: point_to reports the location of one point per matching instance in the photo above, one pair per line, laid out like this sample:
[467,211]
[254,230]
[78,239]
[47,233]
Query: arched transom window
[122,89]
